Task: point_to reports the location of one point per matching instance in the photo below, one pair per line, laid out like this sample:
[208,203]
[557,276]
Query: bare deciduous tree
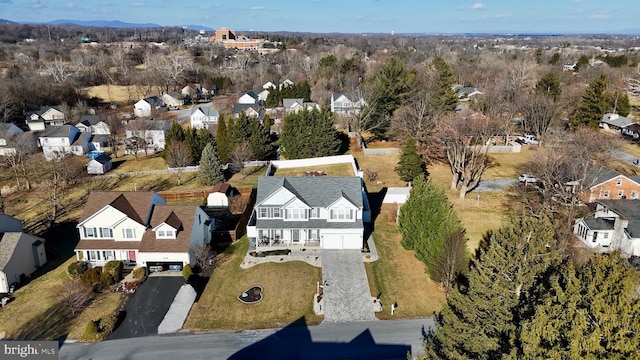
[453,260]
[76,297]
[202,254]
[178,157]
[539,113]
[241,154]
[417,120]
[467,145]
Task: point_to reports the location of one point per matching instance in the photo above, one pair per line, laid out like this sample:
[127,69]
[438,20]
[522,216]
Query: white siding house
[325,212]
[146,107]
[60,140]
[203,116]
[138,228]
[20,254]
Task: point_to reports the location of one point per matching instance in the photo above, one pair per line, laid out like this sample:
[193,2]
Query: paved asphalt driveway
[347,296]
[148,307]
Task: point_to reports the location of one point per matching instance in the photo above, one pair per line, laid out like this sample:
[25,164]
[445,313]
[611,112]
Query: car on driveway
[528,179]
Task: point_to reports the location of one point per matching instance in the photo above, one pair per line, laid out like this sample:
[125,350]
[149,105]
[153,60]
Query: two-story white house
[341,104]
[325,212]
[140,229]
[20,253]
[615,226]
[57,141]
[203,116]
[152,131]
[93,124]
[146,106]
[45,117]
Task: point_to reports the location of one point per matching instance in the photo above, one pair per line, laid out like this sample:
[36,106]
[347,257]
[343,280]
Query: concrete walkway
[347,296]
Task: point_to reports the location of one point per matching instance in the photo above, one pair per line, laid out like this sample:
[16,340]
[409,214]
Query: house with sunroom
[613,225]
[139,229]
[308,211]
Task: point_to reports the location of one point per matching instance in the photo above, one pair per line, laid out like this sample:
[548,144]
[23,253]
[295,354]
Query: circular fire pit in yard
[251,295]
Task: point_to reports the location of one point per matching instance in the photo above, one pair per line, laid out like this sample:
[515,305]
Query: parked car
[527,139]
[528,179]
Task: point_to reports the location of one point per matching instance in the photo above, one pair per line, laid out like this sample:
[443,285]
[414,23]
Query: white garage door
[332,241]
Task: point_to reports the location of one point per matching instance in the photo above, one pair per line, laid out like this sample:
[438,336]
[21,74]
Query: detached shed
[20,255]
[397,195]
[220,195]
[99,165]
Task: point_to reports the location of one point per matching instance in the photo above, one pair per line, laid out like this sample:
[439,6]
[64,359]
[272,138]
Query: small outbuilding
[20,255]
[99,165]
[220,195]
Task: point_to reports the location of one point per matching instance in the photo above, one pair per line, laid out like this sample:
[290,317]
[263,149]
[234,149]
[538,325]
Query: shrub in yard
[108,323]
[77,269]
[139,273]
[92,276]
[106,280]
[186,271]
[90,332]
[114,268]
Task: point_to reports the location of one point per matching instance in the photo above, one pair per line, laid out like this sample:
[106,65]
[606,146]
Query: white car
[528,179]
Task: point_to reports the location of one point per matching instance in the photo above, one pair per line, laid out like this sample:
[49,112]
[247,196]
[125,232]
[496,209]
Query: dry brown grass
[399,277]
[36,312]
[509,166]
[104,304]
[631,148]
[344,169]
[384,165]
[288,290]
[477,215]
[128,163]
[119,94]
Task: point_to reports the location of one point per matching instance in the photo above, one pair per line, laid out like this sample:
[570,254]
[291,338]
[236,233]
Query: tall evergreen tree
[175,133]
[191,140]
[549,86]
[593,105]
[309,134]
[425,222]
[619,104]
[480,319]
[210,171]
[224,141]
[590,312]
[392,86]
[260,140]
[411,165]
[443,97]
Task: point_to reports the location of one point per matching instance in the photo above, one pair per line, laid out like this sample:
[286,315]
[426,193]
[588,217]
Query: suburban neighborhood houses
[268,191]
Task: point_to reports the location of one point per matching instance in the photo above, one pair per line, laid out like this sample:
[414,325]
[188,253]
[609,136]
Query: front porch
[266,243]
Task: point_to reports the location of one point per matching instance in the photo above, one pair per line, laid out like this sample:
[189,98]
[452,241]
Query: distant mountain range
[102,23]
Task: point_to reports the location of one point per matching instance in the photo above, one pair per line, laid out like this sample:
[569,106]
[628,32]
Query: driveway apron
[148,307]
[347,296]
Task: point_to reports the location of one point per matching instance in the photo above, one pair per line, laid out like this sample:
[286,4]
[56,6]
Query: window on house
[129,233]
[313,235]
[160,233]
[621,193]
[606,193]
[296,214]
[341,214]
[276,213]
[605,235]
[619,182]
[314,213]
[93,255]
[109,255]
[90,232]
[106,232]
[263,212]
[169,233]
[634,194]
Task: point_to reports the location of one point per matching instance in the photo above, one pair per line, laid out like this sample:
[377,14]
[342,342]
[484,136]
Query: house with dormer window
[45,117]
[139,229]
[342,104]
[324,212]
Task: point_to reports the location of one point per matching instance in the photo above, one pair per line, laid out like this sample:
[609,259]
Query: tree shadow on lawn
[295,342]
[51,324]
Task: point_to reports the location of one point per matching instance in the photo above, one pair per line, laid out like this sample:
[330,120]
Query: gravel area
[178,310]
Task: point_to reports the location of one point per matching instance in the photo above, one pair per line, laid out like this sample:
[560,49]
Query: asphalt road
[148,307]
[357,340]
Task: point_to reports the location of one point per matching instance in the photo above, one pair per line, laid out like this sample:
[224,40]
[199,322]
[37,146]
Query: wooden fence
[184,195]
[231,236]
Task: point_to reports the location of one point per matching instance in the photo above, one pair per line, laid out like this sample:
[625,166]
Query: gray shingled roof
[287,103]
[616,120]
[207,110]
[315,191]
[597,175]
[599,224]
[90,120]
[626,208]
[58,131]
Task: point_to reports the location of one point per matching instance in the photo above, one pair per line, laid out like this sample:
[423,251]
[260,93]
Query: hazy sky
[349,16]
